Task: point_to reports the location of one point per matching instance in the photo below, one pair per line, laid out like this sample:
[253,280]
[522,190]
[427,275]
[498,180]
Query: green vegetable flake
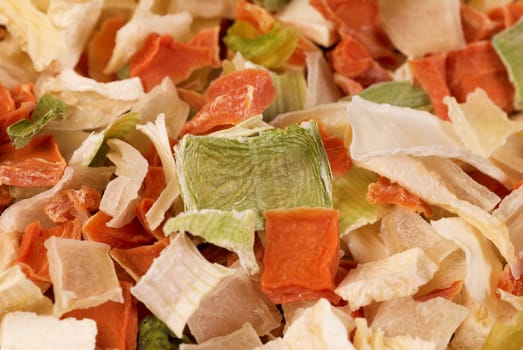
[397,93]
[270,50]
[506,336]
[291,88]
[278,168]
[153,334]
[47,109]
[509,46]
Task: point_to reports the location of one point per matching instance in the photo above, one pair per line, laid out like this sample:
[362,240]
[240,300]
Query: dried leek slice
[276,169]
[177,281]
[227,229]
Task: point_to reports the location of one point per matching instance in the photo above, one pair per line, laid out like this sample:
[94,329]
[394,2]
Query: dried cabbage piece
[275,169]
[396,276]
[433,320]
[243,338]
[82,273]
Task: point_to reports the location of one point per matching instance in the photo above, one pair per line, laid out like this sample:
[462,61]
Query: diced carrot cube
[301,254]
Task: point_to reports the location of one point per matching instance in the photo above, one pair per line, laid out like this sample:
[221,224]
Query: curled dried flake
[386,192]
[70,203]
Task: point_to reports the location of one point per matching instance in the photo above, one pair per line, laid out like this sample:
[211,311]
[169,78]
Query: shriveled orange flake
[352,60]
[153,183]
[359,19]
[479,66]
[232,99]
[430,73]
[337,152]
[506,16]
[117,323]
[15,105]
[386,192]
[301,253]
[508,283]
[127,236]
[136,261]
[32,255]
[39,163]
[101,45]
[448,293]
[476,24]
[162,56]
[208,38]
[69,204]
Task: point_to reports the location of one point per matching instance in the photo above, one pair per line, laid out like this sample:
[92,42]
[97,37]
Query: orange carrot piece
[448,293]
[232,99]
[337,152]
[352,60]
[386,192]
[117,323]
[301,253]
[430,73]
[39,163]
[506,16]
[127,236]
[100,47]
[136,261]
[359,19]
[69,204]
[162,56]
[32,255]
[208,38]
[153,183]
[508,283]
[479,66]
[476,24]
[15,105]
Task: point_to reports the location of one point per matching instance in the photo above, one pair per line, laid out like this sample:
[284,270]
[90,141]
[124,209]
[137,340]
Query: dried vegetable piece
[430,72]
[16,104]
[162,56]
[177,281]
[82,274]
[72,203]
[101,45]
[235,301]
[337,152]
[243,338]
[117,323]
[386,192]
[294,269]
[479,66]
[136,261]
[32,254]
[19,293]
[396,276]
[130,235]
[231,171]
[232,99]
[352,60]
[27,330]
